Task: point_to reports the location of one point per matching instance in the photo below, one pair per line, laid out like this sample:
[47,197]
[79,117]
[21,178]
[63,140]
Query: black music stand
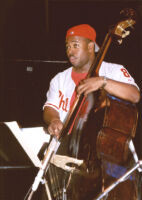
[16,169]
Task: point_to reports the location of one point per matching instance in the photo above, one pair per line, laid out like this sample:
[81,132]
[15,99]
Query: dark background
[32,51]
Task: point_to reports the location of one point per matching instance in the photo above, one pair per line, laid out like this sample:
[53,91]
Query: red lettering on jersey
[125,72]
[63,103]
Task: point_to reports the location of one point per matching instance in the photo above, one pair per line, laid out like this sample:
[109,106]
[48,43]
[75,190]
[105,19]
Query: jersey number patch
[125,72]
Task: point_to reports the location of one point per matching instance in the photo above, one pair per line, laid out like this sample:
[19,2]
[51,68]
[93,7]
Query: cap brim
[97,48]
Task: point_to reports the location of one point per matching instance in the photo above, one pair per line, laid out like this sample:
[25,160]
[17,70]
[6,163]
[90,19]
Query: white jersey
[62,86]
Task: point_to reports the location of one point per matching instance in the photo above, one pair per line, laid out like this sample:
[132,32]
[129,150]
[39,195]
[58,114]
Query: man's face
[78,51]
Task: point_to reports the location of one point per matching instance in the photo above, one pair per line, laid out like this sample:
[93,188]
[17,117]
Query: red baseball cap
[83,30]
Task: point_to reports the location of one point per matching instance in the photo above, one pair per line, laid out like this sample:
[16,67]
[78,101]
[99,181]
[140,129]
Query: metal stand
[54,144]
[59,161]
[138,165]
[121,179]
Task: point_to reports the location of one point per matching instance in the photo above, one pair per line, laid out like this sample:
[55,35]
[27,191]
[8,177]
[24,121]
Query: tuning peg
[128,13]
[125,34]
[119,41]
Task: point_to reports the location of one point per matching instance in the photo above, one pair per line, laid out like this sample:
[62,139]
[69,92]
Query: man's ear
[91,46]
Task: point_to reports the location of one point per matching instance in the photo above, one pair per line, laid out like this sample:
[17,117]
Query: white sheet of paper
[31,139]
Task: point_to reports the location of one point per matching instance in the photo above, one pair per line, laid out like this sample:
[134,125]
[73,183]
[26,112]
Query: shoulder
[108,68]
[64,73]
[61,76]
[111,66]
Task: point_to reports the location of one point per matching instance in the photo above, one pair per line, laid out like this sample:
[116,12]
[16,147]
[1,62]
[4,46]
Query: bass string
[55,186]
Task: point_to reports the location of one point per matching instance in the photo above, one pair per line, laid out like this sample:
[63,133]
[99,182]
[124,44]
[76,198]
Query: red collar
[77,77]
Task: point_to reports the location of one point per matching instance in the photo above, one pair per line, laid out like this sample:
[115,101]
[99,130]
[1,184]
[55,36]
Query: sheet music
[31,139]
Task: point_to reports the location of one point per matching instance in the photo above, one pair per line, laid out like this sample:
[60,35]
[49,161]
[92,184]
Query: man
[113,78]
[80,48]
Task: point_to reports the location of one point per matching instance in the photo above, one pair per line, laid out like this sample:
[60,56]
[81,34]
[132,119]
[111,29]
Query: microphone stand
[121,179]
[52,149]
[137,165]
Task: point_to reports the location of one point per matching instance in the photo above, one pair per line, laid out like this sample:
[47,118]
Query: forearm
[52,119]
[122,90]
[119,89]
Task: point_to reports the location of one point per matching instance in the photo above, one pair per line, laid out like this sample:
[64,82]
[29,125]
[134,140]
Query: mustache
[72,56]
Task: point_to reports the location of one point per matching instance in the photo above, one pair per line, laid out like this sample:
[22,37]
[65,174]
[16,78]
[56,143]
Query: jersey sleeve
[119,73]
[52,95]
[123,75]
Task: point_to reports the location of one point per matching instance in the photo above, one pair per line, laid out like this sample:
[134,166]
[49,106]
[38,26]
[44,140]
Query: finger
[88,91]
[81,89]
[50,131]
[82,81]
